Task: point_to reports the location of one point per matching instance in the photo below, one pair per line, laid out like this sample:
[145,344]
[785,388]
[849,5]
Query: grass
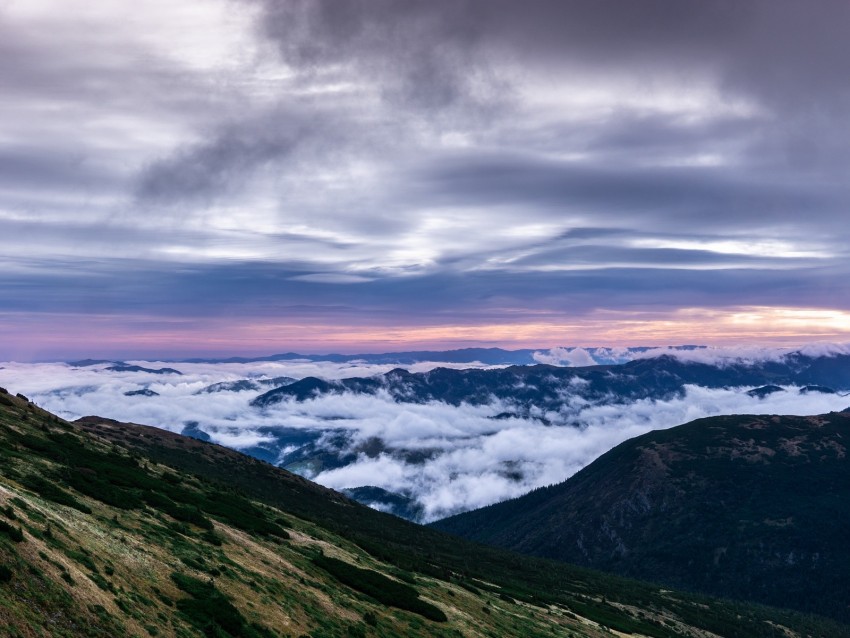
[207,542]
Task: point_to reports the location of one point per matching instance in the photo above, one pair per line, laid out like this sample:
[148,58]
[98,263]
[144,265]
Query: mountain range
[549,392]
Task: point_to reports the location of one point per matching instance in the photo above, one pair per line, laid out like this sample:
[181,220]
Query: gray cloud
[458,160]
[781,51]
[227,158]
[419,54]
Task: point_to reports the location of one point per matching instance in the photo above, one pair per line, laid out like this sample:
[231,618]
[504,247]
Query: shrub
[14,533]
[52,492]
[212,538]
[82,558]
[210,611]
[383,589]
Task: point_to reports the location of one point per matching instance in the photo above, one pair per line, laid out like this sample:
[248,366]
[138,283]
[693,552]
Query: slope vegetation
[751,507]
[110,529]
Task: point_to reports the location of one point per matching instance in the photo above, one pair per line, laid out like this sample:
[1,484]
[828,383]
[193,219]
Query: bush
[383,589]
[212,538]
[14,533]
[185,513]
[5,574]
[356,631]
[210,611]
[52,492]
[82,558]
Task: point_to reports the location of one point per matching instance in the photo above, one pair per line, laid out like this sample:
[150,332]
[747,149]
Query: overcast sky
[252,176]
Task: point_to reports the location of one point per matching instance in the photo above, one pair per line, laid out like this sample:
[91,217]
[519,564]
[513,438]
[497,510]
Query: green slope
[111,529]
[751,507]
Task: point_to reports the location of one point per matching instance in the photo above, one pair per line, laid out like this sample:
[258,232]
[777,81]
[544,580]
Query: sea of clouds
[711,355]
[448,458]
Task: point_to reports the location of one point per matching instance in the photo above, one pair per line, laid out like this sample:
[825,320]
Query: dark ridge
[531,388]
[748,507]
[145,392]
[764,391]
[123,367]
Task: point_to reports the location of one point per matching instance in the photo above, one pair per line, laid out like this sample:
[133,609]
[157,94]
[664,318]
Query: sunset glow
[132,336]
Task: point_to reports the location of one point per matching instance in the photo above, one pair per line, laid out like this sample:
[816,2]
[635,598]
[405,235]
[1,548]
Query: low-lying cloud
[747,355]
[448,459]
[482,461]
[565,357]
[709,355]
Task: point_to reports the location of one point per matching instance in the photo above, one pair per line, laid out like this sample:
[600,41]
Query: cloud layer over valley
[445,458]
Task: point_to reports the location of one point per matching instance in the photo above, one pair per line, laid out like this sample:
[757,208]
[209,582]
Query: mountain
[765,391]
[112,529]
[749,507]
[124,367]
[245,385]
[386,501]
[143,392]
[545,391]
[121,366]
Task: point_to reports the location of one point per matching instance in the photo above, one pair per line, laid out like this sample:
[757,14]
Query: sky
[253,176]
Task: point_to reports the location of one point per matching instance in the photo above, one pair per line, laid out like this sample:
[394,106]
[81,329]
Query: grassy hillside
[750,507]
[111,529]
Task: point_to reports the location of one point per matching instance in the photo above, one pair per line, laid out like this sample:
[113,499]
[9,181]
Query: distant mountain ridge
[121,366]
[245,385]
[749,507]
[546,390]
